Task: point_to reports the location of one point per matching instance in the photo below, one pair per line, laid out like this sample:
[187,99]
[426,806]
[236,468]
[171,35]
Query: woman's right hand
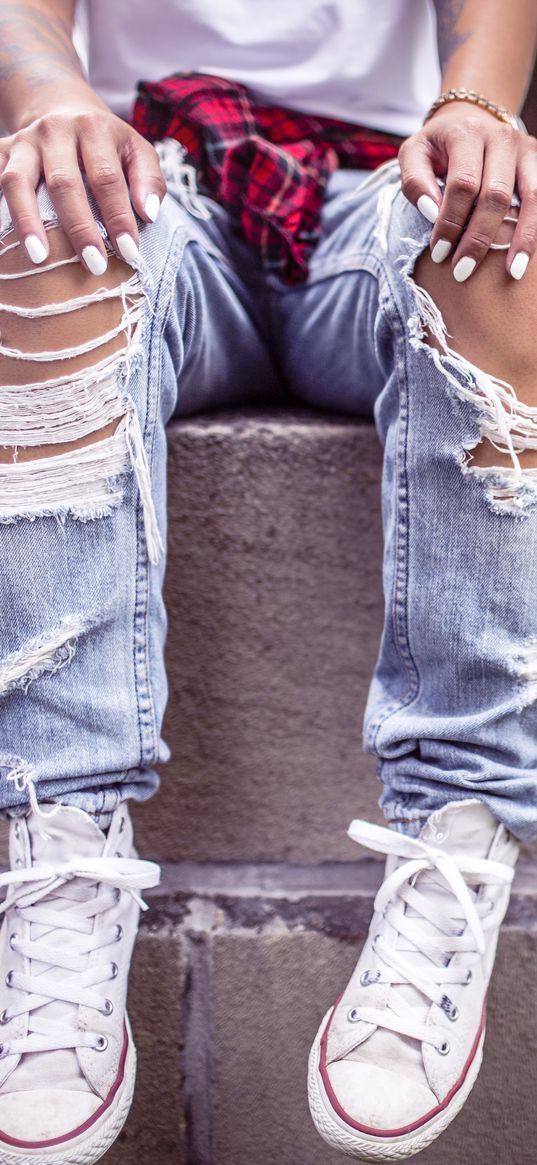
[121,168]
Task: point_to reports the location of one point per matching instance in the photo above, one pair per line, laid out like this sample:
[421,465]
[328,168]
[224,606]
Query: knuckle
[62,182]
[463,186]
[496,197]
[119,221]
[106,176]
[477,242]
[25,223]
[87,120]
[81,231]
[50,126]
[10,180]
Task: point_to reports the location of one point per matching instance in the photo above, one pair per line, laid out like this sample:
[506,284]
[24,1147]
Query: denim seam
[147,728]
[399,603]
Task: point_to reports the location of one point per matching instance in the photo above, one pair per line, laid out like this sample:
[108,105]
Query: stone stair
[274,598]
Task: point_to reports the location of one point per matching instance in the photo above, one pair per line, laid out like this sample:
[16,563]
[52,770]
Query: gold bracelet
[497,111]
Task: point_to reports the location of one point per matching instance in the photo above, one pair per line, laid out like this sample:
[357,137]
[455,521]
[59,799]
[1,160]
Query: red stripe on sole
[372,1132]
[88,1123]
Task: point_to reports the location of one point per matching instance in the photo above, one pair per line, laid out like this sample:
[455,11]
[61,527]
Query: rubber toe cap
[378,1098]
[34,1117]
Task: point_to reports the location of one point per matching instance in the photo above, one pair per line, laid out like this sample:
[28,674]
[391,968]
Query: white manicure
[95,262]
[152,206]
[464,269]
[35,248]
[127,248]
[519,264]
[440,251]
[428,208]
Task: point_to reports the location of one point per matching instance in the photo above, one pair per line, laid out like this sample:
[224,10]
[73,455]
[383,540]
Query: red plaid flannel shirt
[267,166]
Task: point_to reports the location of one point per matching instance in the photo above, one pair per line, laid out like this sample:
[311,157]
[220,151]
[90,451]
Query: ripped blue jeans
[452,709]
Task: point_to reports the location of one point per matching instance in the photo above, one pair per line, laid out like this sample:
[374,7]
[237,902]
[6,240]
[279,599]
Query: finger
[524,241]
[107,181]
[493,203]
[144,176]
[463,183]
[418,178]
[67,191]
[18,181]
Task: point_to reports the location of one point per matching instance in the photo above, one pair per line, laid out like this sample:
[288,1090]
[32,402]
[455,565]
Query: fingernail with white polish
[464,269]
[36,250]
[440,251]
[127,248]
[95,262]
[428,208]
[152,206]
[519,265]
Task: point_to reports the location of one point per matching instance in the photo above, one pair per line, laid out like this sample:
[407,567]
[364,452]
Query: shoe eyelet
[4,1017]
[19,862]
[450,1009]
[469,978]
[107,1007]
[9,979]
[369,978]
[101,1045]
[121,825]
[17,830]
[444,1048]
[114,971]
[374,942]
[119,932]
[12,938]
[353,1015]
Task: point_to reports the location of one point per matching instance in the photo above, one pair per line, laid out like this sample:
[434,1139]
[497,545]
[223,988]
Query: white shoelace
[57,897]
[443,937]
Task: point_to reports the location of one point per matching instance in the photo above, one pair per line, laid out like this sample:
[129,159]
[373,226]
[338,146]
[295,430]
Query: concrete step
[274,595]
[275,604]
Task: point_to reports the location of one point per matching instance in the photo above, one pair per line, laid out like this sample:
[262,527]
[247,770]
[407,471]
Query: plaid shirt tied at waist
[266,165]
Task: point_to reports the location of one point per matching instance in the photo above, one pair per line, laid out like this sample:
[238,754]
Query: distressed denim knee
[452,710]
[81,541]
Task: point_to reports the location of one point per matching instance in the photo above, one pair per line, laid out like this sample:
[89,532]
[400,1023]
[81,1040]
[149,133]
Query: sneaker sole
[340,1135]
[90,1145]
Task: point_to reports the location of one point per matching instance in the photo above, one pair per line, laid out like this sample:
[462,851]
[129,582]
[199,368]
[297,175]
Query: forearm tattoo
[34,45]
[449,38]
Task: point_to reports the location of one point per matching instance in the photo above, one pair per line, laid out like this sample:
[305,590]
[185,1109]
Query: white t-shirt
[372,62]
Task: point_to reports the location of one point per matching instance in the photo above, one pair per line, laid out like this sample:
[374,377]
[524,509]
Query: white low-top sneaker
[67,1058]
[396,1057]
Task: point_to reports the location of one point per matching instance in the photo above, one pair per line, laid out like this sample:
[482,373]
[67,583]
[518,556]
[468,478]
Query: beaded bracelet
[497,111]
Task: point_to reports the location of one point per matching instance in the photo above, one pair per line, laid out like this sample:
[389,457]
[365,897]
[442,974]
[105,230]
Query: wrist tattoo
[449,38]
[35,45]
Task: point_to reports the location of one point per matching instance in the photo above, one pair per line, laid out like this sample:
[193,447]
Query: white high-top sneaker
[396,1057]
[67,1058]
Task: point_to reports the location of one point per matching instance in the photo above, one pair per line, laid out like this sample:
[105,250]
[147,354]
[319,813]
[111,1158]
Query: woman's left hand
[481,160]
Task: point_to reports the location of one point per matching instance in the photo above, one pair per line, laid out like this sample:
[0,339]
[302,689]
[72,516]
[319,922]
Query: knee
[490,322]
[490,318]
[68,428]
[58,326]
